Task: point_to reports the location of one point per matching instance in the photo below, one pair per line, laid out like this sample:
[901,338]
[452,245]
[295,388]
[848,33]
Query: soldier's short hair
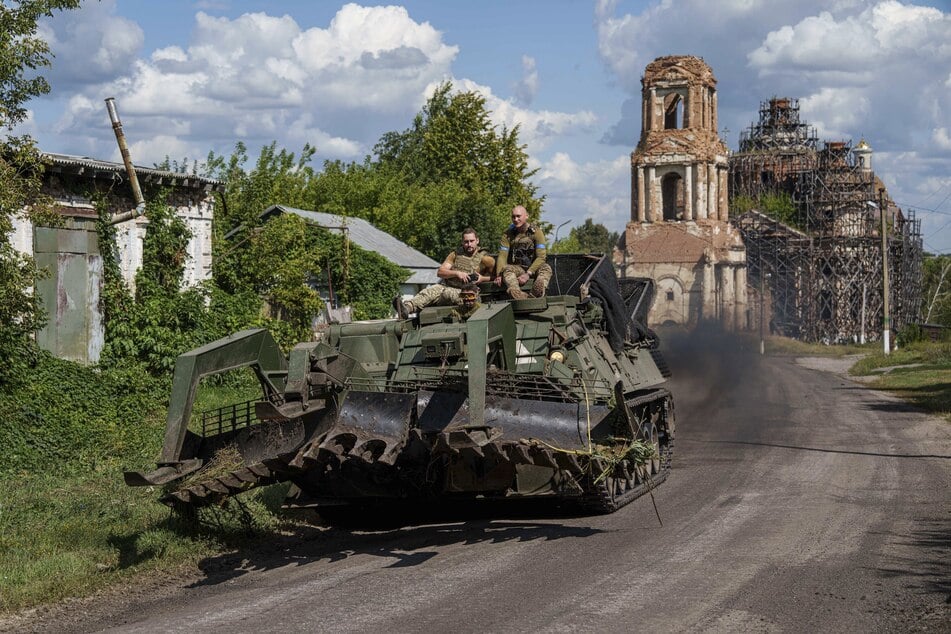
[470,288]
[470,230]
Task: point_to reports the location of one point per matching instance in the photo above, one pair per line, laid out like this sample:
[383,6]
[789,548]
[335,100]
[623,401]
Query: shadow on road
[927,571]
[410,537]
[820,449]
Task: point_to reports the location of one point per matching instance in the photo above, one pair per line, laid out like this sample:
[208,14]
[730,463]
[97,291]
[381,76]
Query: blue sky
[194,76]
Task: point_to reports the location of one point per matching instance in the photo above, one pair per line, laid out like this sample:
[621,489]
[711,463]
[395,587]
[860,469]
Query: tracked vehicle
[561,396]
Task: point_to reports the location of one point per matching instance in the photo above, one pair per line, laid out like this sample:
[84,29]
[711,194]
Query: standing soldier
[467,264]
[522,257]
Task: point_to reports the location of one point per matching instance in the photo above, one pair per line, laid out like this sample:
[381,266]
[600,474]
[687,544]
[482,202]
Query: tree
[590,237]
[450,170]
[936,290]
[22,53]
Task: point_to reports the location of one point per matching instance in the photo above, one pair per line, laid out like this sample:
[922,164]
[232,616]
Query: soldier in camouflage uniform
[522,257]
[467,264]
[469,295]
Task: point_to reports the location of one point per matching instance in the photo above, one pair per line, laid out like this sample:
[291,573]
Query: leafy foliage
[278,177]
[161,321]
[450,170]
[936,290]
[590,237]
[778,206]
[282,257]
[22,53]
[68,416]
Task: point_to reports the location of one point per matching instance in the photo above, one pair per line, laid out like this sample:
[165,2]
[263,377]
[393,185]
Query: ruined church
[680,232]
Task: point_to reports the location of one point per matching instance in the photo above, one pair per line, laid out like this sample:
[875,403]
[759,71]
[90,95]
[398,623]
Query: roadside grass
[69,526]
[75,536]
[919,373]
[785,345]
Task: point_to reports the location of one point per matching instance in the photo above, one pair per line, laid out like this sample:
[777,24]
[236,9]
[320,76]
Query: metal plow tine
[475,450]
[492,451]
[260,470]
[300,460]
[245,475]
[542,457]
[216,487]
[339,444]
[518,454]
[371,450]
[568,462]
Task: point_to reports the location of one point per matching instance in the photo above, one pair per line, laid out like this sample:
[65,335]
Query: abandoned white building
[71,253]
[680,233]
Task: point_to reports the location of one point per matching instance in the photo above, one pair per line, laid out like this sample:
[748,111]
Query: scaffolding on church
[773,151]
[822,278]
[829,289]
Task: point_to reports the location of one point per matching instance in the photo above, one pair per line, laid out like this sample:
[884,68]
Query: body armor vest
[522,247]
[466,264]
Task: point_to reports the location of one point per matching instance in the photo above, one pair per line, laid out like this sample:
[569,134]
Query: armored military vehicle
[561,396]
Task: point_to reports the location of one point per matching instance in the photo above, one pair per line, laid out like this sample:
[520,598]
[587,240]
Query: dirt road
[799,501]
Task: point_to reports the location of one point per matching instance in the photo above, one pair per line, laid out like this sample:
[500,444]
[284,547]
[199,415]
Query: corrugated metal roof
[173,178]
[366,236]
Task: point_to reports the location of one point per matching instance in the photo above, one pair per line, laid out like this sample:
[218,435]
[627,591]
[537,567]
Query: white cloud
[373,57]
[537,127]
[155,149]
[90,45]
[941,138]
[527,86]
[834,111]
[599,190]
[824,43]
[263,77]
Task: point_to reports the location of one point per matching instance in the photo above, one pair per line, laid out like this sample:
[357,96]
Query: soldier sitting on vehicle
[467,264]
[522,257]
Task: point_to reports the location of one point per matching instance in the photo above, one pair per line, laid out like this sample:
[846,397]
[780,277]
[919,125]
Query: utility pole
[886,321]
[762,309]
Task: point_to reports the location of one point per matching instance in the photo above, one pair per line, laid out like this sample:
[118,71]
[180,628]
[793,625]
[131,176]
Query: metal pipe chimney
[129,168]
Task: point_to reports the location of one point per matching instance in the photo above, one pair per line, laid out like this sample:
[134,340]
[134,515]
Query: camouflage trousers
[539,286]
[435,295]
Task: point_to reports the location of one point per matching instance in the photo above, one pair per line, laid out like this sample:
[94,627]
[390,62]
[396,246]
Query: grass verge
[919,373]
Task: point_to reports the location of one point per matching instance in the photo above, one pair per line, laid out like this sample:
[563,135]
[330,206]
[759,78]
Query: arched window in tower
[673,112]
[672,193]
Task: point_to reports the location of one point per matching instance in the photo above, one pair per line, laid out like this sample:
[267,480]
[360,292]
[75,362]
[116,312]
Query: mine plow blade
[371,426]
[512,420]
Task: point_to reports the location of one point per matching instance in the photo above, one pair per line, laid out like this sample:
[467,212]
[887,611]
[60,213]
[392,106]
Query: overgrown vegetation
[68,523]
[22,53]
[778,206]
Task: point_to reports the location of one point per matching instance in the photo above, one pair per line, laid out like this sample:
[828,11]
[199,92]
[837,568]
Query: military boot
[542,277]
[538,288]
[516,293]
[402,312]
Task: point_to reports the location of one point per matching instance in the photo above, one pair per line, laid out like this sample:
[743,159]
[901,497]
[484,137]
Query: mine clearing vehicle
[562,396]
